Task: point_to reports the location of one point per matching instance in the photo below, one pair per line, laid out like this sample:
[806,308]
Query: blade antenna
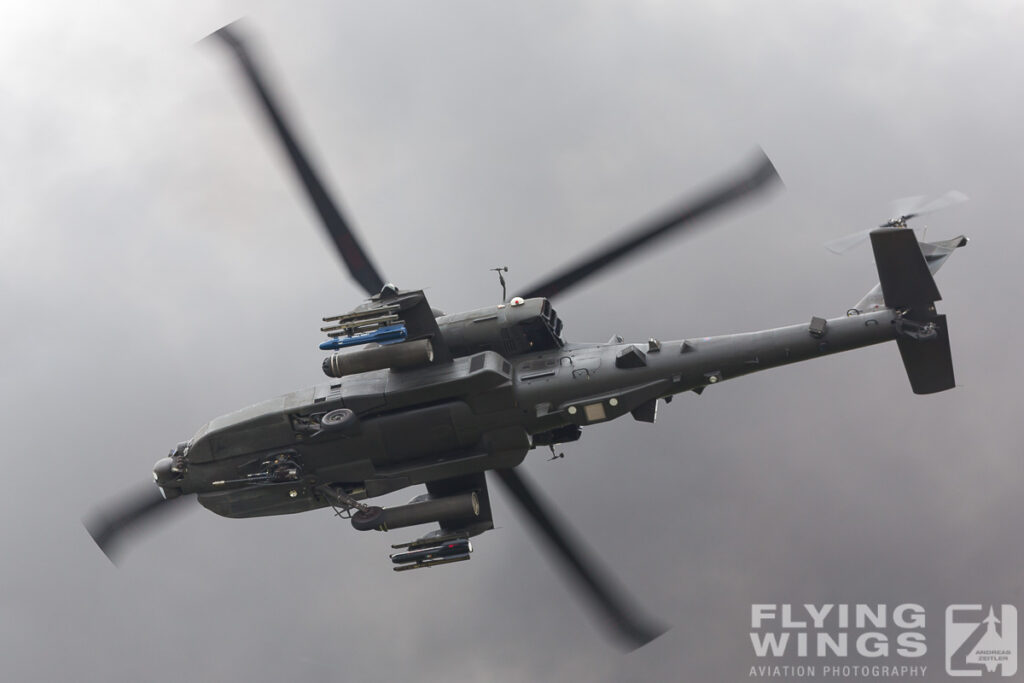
[630,625]
[501,279]
[354,256]
[760,174]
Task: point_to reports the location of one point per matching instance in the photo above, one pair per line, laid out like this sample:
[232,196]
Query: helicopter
[455,402]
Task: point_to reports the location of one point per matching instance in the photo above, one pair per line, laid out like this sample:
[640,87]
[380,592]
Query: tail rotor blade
[911,207]
[129,514]
[905,206]
[627,620]
[847,242]
[352,253]
[943,201]
[903,210]
[761,174]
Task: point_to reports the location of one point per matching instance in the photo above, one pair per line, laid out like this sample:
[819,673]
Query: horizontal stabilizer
[929,362]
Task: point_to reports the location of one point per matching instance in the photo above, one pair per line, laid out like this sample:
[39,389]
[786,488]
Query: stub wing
[449,543]
[391,317]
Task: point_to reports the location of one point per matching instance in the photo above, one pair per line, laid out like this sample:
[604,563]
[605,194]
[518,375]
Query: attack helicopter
[416,397]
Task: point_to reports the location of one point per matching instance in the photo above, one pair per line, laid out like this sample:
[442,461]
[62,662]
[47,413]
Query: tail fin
[935,255]
[905,269]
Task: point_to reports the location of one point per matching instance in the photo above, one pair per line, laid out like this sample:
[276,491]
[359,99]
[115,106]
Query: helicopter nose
[168,473]
[165,471]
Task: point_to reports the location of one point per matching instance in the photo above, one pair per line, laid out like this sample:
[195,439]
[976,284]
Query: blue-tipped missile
[383,335]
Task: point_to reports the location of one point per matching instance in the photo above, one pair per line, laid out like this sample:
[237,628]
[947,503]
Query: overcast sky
[159,268]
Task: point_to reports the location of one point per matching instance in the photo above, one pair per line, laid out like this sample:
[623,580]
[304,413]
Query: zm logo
[981,640]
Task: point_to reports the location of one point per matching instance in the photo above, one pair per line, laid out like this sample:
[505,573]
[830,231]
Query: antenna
[501,278]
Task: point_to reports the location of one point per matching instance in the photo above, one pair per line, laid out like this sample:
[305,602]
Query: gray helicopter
[418,397]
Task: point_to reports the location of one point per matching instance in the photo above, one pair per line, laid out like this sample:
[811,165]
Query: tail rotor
[905,209]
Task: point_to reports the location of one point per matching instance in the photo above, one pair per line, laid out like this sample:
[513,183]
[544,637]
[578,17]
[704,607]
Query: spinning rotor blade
[906,205]
[629,623]
[904,209]
[845,243]
[355,257]
[760,174]
[129,514]
[951,198]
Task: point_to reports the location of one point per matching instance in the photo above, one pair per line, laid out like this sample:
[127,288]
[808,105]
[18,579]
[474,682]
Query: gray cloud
[159,268]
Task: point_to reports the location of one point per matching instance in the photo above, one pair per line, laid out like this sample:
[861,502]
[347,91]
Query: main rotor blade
[355,257]
[628,621]
[758,175]
[129,514]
